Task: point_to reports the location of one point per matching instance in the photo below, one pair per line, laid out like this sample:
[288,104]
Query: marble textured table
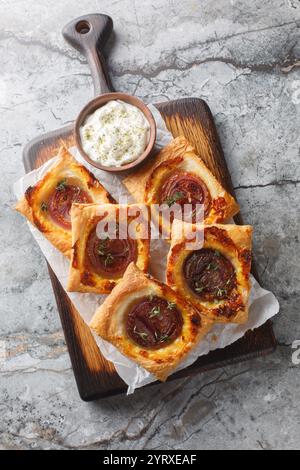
[243,58]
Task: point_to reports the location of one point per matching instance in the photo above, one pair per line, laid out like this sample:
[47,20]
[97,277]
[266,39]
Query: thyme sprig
[155,312]
[102,251]
[164,337]
[221,292]
[142,334]
[161,338]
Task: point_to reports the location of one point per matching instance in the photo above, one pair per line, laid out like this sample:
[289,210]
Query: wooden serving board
[96,377]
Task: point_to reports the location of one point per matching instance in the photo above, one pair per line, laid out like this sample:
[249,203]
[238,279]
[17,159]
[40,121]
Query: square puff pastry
[180,155]
[84,275]
[227,275]
[34,204]
[110,319]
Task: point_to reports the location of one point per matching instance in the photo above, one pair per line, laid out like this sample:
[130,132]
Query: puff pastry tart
[177,175]
[47,204]
[149,323]
[214,274]
[106,239]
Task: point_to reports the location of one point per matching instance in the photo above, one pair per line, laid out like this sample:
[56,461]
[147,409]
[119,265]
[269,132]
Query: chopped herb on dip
[115,134]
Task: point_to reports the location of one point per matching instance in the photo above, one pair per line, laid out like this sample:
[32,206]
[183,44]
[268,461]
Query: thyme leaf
[163,338]
[198,288]
[172,199]
[61,185]
[171,305]
[44,207]
[212,266]
[109,259]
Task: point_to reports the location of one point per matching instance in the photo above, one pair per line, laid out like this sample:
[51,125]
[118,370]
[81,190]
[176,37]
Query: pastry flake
[106,238]
[149,323]
[213,274]
[177,175]
[47,204]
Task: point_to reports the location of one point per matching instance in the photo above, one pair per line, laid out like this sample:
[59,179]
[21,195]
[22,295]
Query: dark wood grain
[89,34]
[96,377]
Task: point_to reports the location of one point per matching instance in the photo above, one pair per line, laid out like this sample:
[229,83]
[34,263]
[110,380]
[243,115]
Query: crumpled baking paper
[263,304]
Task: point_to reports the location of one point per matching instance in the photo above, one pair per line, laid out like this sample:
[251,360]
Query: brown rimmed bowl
[101,100]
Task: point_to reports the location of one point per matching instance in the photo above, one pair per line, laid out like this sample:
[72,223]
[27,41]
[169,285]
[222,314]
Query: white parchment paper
[263,304]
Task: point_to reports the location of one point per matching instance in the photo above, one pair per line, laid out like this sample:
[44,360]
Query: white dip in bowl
[115,134]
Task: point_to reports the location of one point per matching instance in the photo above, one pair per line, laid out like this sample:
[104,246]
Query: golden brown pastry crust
[180,155]
[109,323]
[234,243]
[84,218]
[30,204]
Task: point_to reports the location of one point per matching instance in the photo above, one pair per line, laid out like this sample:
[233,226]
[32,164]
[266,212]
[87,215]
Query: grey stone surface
[243,58]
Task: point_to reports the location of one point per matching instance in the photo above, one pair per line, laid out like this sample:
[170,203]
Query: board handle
[88,34]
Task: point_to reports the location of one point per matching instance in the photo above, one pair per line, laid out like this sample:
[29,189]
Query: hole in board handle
[83,27]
